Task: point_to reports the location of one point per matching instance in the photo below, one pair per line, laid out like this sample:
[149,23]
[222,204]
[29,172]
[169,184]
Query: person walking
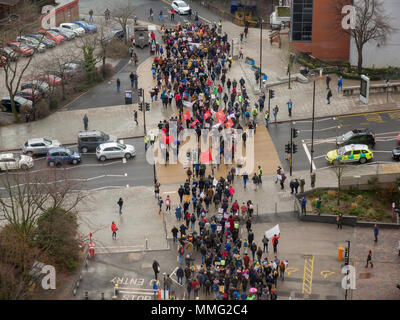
[156,268]
[174,232]
[276,110]
[156,189]
[245,178]
[135,118]
[146,142]
[118,85]
[266,119]
[339,220]
[178,212]
[376,232]
[282,268]
[120,204]
[340,84]
[290,107]
[328,80]
[160,17]
[318,205]
[91,15]
[132,78]
[114,230]
[328,96]
[151,14]
[259,174]
[168,284]
[304,205]
[369,259]
[168,204]
[265,241]
[160,203]
[172,14]
[275,242]
[85,122]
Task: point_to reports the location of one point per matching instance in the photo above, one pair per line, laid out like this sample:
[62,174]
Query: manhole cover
[365,275]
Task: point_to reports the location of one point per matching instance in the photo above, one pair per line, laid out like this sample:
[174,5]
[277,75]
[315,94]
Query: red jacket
[246,260]
[114,227]
[274,239]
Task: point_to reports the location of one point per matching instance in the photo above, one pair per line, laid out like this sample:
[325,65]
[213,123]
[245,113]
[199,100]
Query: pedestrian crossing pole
[291,151]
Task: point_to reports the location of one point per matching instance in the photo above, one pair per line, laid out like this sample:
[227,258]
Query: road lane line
[325,129]
[308,154]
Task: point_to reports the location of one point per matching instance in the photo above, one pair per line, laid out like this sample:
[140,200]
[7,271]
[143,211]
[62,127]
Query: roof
[108,144]
[6,156]
[356,147]
[35,140]
[90,133]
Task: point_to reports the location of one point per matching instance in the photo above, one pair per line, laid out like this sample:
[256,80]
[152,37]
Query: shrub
[117,49]
[356,211]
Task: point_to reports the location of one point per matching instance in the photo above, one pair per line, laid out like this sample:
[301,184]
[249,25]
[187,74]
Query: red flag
[206,156]
[186,115]
[229,123]
[207,115]
[194,123]
[220,116]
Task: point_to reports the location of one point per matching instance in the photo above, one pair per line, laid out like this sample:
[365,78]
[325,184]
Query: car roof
[361,131]
[109,144]
[356,147]
[90,133]
[6,156]
[35,140]
[57,149]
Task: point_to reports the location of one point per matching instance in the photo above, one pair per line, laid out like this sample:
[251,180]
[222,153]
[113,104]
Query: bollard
[116,289]
[86,295]
[276,207]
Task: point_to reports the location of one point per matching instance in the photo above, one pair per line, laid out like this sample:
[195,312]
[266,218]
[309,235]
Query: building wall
[381,56]
[329,42]
[68,12]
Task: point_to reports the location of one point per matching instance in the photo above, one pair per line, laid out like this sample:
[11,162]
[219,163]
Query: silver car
[115,150]
[39,146]
[10,161]
[32,43]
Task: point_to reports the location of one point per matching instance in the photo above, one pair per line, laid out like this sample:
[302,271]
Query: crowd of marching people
[191,69]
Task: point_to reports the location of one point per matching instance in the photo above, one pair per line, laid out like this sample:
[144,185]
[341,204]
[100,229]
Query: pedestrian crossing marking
[291,270]
[374,118]
[326,273]
[308,274]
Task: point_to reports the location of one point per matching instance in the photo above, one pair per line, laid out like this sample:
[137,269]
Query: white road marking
[325,129]
[375,151]
[308,154]
[317,120]
[319,157]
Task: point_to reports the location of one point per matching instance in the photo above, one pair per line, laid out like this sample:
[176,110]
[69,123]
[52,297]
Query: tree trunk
[13,108]
[360,59]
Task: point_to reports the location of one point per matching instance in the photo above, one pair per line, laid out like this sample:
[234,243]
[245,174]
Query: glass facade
[302,18]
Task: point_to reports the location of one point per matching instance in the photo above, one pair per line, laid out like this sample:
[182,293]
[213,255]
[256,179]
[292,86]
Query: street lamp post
[261,23]
[312,129]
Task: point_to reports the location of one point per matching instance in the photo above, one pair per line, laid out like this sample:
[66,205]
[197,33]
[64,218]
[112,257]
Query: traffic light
[147,106]
[140,92]
[287,148]
[271,94]
[294,148]
[295,133]
[140,106]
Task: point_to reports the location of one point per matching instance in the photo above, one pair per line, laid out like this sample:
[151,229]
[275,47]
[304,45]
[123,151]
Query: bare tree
[122,14]
[339,171]
[15,70]
[371,24]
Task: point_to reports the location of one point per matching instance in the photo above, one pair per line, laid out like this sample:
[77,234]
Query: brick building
[66,11]
[316,29]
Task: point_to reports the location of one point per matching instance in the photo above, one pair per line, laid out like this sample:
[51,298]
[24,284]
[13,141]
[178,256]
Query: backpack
[276,242]
[193,218]
[181,251]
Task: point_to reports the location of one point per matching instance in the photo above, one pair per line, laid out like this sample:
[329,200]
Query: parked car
[10,161]
[39,146]
[32,43]
[9,53]
[67,34]
[396,153]
[115,34]
[79,31]
[19,101]
[356,136]
[87,26]
[350,153]
[20,48]
[115,150]
[61,155]
[72,68]
[52,35]
[89,140]
[41,86]
[48,78]
[30,94]
[181,7]
[42,39]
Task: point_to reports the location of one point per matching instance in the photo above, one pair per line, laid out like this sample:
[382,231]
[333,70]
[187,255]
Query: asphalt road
[92,174]
[385,125]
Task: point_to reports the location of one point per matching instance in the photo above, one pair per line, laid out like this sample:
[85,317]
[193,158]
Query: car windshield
[182,4]
[54,34]
[348,135]
[69,151]
[106,137]
[17,157]
[48,142]
[122,146]
[83,23]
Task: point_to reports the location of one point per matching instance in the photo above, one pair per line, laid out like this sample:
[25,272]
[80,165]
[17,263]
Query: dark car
[62,155]
[30,94]
[47,42]
[116,34]
[357,136]
[91,139]
[5,104]
[396,153]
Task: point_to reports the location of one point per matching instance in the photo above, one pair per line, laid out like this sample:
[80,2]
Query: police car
[350,153]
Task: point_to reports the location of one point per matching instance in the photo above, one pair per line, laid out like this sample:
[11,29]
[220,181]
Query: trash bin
[128,97]
[340,253]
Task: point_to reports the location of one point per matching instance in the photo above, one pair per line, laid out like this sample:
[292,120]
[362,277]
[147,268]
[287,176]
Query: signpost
[364,89]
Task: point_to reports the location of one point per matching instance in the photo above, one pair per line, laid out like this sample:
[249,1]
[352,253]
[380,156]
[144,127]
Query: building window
[302,17]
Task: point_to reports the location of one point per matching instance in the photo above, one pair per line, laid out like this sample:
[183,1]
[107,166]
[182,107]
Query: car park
[87,26]
[396,153]
[67,34]
[181,7]
[41,86]
[30,94]
[79,31]
[10,161]
[50,79]
[32,43]
[38,146]
[89,140]
[115,150]
[356,136]
[42,39]
[52,35]
[20,48]
[19,102]
[350,153]
[61,155]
